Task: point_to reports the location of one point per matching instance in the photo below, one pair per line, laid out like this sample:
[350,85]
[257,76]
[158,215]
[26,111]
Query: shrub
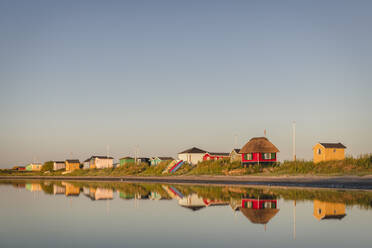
[47,166]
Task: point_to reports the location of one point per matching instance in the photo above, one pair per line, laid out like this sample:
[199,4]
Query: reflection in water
[259,209]
[258,205]
[329,210]
[70,189]
[98,193]
[225,215]
[192,202]
[58,190]
[33,187]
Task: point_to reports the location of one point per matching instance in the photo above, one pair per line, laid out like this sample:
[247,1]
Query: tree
[47,166]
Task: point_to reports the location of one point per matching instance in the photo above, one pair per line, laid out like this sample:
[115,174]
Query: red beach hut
[259,150]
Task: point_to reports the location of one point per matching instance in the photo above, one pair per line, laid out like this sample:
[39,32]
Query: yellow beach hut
[328,151]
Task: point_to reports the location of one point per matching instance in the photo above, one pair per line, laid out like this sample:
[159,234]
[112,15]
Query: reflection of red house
[259,211]
[259,203]
[216,155]
[259,150]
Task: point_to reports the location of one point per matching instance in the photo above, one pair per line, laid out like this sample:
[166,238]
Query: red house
[259,150]
[216,155]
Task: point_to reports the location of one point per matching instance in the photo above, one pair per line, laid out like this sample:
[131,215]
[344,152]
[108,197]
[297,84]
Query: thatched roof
[259,216]
[259,144]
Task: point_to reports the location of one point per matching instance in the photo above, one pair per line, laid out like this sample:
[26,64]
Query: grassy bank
[350,166]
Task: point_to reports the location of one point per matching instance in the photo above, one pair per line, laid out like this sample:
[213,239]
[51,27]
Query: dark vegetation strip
[335,182]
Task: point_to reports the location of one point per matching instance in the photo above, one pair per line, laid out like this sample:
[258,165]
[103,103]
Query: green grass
[214,167]
[361,165]
[155,170]
[349,166]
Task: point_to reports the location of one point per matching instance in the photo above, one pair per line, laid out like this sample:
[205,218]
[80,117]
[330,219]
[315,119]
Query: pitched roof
[127,157]
[237,150]
[193,150]
[219,153]
[259,216]
[165,158]
[333,145]
[102,157]
[193,208]
[338,217]
[72,160]
[259,144]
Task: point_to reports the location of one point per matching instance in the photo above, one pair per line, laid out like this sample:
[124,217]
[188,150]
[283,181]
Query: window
[249,156]
[267,155]
[267,205]
[319,151]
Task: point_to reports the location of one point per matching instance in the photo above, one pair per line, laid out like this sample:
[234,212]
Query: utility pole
[294,220]
[107,155]
[136,153]
[294,140]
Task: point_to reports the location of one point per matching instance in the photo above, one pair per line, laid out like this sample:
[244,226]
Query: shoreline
[336,182]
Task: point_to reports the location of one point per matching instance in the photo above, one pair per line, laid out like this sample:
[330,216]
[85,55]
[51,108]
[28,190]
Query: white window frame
[267,155]
[249,156]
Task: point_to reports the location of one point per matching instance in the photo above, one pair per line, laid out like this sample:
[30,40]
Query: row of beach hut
[258,150]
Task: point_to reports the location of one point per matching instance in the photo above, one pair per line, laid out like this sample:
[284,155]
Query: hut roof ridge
[259,144]
[332,145]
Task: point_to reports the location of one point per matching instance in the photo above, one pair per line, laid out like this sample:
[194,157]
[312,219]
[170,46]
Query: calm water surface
[77,214]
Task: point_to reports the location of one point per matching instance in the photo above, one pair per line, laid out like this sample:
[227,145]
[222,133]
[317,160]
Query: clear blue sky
[76,76]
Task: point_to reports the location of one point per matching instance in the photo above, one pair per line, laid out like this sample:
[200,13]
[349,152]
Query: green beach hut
[126,160]
[157,160]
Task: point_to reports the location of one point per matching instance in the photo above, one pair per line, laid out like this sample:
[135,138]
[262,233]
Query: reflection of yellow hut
[71,190]
[33,187]
[328,210]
